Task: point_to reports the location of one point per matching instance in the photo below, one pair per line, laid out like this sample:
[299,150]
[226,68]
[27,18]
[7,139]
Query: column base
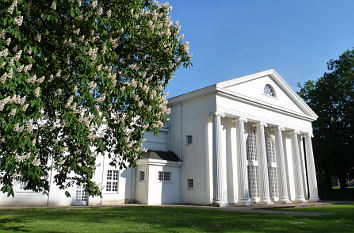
[219,203]
[300,201]
[243,202]
[283,202]
[314,200]
[265,202]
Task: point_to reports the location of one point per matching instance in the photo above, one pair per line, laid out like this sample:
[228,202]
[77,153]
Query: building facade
[242,141]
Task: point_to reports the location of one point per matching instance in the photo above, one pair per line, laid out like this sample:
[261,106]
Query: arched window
[252,157]
[269,90]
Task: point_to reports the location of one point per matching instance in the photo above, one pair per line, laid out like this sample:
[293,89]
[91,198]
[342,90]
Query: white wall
[141,194]
[255,88]
[166,192]
[158,143]
[190,118]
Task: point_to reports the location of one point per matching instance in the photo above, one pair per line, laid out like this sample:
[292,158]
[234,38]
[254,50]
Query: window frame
[114,183]
[188,184]
[162,175]
[20,188]
[269,90]
[189,139]
[141,178]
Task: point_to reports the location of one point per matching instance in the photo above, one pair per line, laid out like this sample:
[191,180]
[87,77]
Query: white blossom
[94,4]
[18,20]
[8,41]
[36,92]
[38,38]
[54,5]
[13,112]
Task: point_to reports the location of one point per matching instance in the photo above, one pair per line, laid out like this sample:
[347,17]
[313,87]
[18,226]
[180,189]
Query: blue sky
[230,39]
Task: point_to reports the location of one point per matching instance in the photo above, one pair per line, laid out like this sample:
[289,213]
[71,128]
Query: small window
[112,181]
[189,139]
[141,176]
[164,176]
[190,184]
[21,186]
[269,90]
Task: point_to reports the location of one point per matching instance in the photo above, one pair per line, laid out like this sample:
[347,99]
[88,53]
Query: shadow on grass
[168,219]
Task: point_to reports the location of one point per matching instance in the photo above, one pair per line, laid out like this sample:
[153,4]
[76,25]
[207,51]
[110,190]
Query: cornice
[261,104]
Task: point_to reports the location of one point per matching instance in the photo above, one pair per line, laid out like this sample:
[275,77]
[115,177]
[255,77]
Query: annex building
[242,141]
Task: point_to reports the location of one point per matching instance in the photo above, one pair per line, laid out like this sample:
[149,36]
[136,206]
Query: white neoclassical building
[242,141]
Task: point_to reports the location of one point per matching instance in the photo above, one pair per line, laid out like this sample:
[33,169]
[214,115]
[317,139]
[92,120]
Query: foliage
[336,218]
[78,79]
[332,98]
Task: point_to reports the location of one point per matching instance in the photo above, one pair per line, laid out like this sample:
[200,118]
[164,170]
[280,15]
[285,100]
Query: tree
[80,78]
[331,97]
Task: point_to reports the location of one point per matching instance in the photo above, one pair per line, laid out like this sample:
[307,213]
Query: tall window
[80,195]
[253,184]
[269,90]
[270,149]
[252,146]
[272,167]
[112,181]
[273,187]
[252,157]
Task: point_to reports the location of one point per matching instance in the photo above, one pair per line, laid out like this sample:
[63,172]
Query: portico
[262,164]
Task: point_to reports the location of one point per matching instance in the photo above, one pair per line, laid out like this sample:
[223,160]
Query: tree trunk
[343,182]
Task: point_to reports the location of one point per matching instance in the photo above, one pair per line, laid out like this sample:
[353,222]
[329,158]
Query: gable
[252,87]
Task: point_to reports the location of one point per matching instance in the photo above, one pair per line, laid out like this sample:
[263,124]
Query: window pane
[160,176]
[167,176]
[109,186]
[115,186]
[189,139]
[252,147]
[190,184]
[109,174]
[141,175]
[253,181]
[272,172]
[115,175]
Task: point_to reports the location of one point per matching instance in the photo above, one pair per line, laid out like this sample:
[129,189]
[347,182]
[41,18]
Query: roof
[221,88]
[161,155]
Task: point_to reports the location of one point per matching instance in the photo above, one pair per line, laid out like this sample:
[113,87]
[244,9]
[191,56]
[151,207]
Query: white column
[311,170]
[263,165]
[218,199]
[299,188]
[283,183]
[243,192]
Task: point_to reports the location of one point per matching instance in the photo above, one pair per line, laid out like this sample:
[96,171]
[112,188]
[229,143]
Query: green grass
[169,219]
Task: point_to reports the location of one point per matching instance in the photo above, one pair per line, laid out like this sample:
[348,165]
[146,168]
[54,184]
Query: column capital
[281,128]
[216,114]
[261,123]
[293,132]
[237,119]
[308,134]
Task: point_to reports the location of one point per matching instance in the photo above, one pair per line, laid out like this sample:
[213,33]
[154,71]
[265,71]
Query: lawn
[172,219]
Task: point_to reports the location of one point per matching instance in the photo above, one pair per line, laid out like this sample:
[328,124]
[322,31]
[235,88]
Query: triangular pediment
[252,88]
